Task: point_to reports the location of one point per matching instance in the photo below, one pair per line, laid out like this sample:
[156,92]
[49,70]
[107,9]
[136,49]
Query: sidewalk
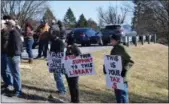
[5,99]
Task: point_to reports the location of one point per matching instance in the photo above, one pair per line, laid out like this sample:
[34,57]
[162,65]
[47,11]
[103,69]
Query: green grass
[148,78]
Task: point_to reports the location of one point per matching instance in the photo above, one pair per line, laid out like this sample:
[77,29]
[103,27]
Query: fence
[128,40]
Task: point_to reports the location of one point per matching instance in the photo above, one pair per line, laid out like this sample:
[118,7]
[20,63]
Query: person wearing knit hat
[14,50]
[73,82]
[5,71]
[127,63]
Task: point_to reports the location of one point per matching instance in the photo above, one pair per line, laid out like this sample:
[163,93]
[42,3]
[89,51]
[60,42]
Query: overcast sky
[88,8]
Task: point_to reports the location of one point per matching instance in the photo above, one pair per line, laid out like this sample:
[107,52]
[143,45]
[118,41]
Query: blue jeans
[28,44]
[122,95]
[5,71]
[43,47]
[59,82]
[14,65]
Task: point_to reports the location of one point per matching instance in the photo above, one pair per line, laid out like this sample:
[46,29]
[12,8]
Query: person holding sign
[119,50]
[72,49]
[57,46]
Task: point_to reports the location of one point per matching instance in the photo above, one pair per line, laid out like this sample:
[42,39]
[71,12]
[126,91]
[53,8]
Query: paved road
[35,53]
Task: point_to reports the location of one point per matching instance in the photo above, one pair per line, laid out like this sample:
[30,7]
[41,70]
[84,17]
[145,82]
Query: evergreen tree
[48,15]
[82,22]
[69,19]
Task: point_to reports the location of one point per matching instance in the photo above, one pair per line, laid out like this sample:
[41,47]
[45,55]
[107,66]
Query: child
[121,95]
[72,49]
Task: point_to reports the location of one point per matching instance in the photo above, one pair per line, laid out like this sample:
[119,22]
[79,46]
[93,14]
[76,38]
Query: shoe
[5,91]
[30,61]
[38,57]
[4,86]
[15,94]
[62,94]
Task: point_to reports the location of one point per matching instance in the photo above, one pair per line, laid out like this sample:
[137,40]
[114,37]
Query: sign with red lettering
[79,66]
[113,67]
[56,62]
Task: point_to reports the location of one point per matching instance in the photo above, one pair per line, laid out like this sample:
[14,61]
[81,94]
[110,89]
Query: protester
[118,49]
[29,40]
[43,31]
[5,71]
[57,46]
[54,30]
[72,49]
[14,49]
[62,29]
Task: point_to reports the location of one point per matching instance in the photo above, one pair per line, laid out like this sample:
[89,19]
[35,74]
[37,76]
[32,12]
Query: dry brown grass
[148,80]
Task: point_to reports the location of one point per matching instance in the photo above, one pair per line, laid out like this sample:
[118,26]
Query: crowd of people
[12,47]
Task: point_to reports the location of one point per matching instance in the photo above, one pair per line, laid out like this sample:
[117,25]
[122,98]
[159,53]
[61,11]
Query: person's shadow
[34,97]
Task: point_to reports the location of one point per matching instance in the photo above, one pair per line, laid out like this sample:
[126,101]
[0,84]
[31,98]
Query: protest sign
[113,67]
[56,62]
[79,66]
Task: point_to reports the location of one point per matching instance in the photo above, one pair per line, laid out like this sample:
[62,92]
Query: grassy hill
[148,78]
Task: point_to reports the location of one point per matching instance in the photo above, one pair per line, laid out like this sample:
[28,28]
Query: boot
[30,61]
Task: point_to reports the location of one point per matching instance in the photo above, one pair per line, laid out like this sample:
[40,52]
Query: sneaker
[4,86]
[38,57]
[62,94]
[15,94]
[5,91]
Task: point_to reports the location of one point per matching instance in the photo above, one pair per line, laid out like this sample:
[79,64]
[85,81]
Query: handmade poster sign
[79,66]
[113,67]
[56,62]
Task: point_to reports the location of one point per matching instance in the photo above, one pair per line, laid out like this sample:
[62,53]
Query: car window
[127,27]
[78,32]
[90,33]
[113,27]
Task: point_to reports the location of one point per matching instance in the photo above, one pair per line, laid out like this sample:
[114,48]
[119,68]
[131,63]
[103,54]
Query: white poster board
[56,62]
[113,68]
[81,65]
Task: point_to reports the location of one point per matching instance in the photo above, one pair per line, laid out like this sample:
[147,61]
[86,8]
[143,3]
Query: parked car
[86,36]
[125,30]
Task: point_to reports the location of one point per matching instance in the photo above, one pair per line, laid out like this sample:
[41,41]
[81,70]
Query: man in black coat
[73,84]
[5,72]
[14,50]
[57,46]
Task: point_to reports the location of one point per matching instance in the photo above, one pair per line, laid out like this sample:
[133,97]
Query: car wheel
[88,44]
[104,43]
[82,44]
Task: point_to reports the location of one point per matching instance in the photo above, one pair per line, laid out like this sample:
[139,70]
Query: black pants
[43,47]
[73,88]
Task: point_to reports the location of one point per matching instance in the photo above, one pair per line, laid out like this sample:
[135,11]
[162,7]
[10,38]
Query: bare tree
[111,16]
[23,10]
[152,17]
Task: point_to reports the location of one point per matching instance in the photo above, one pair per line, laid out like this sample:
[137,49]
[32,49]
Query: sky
[88,8]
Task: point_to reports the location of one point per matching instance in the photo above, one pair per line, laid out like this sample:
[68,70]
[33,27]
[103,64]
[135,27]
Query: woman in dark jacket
[72,49]
[29,40]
